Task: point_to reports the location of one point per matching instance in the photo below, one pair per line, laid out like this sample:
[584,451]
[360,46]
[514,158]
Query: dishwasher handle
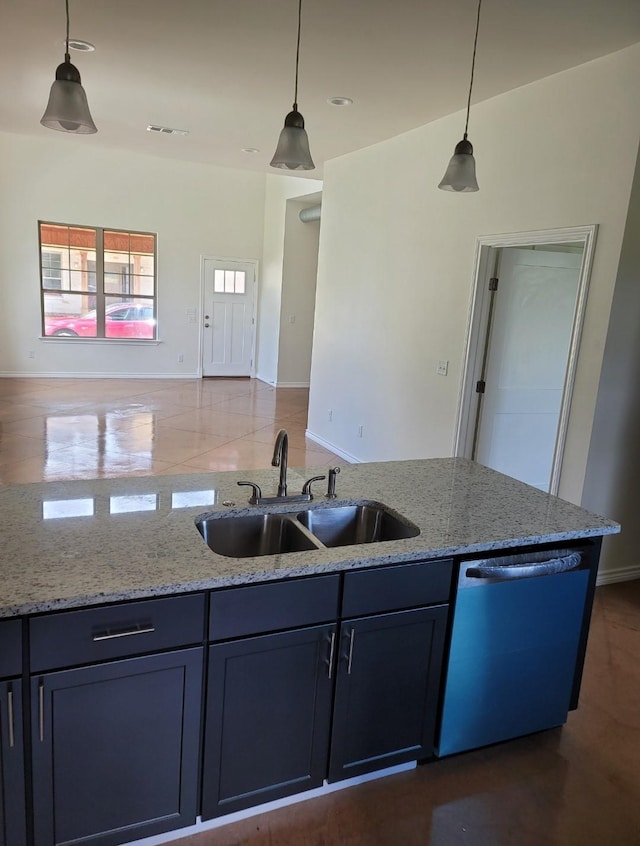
[524,570]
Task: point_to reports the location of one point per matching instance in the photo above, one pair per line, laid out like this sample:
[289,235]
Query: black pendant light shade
[460,174]
[67,109]
[292,152]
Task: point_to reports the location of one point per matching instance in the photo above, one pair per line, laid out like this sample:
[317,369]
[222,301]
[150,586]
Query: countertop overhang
[78,543]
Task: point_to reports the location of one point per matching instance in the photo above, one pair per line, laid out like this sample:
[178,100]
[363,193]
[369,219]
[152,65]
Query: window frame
[102,298]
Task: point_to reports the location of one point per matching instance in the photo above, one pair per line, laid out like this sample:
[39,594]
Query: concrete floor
[53,429]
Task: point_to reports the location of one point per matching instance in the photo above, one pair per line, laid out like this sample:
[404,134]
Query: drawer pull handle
[141,628]
[350,655]
[10,715]
[332,650]
[41,710]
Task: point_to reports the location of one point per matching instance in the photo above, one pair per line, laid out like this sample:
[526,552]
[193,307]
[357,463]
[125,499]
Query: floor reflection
[57,429]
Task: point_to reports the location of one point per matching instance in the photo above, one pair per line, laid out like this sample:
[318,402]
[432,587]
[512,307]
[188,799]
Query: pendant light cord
[473,66]
[295,95]
[67,57]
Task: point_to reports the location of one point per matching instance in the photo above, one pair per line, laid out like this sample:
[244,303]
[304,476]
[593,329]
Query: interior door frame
[254,316]
[477,325]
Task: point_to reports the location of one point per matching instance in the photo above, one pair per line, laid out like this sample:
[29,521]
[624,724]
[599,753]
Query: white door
[228,312]
[529,338]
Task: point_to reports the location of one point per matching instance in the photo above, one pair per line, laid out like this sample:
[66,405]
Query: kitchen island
[132,652]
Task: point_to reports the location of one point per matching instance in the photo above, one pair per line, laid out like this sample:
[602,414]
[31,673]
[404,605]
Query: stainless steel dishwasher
[514,643]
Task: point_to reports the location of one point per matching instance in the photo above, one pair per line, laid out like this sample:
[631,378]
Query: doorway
[522,347]
[228,310]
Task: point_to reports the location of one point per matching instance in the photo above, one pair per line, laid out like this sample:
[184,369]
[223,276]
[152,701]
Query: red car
[121,320]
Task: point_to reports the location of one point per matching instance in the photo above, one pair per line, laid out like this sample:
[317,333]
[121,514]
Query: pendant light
[292,152]
[461,172]
[67,109]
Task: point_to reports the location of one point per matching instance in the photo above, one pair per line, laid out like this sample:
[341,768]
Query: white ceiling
[224,69]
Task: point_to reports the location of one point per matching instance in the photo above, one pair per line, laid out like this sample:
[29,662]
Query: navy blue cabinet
[269,691]
[115,744]
[387,687]
[12,801]
[267,718]
[115,749]
[12,784]
[272,698]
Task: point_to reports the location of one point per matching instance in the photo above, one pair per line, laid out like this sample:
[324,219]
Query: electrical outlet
[292,318]
[443,367]
[180,358]
[32,354]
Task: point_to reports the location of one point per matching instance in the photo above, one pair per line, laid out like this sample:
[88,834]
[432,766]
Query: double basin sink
[247,535]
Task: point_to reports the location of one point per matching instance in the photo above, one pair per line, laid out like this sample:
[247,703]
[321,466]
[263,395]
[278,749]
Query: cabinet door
[115,749]
[12,807]
[387,686]
[267,718]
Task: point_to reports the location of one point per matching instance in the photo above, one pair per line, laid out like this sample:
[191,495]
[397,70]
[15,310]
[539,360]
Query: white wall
[396,255]
[279,189]
[612,482]
[299,274]
[195,210]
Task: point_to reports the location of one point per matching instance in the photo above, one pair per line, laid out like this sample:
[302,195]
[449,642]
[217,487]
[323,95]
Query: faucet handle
[257,493]
[306,488]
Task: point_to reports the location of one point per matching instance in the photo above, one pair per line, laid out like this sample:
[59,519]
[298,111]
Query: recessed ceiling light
[167,130]
[340,101]
[82,46]
[250,150]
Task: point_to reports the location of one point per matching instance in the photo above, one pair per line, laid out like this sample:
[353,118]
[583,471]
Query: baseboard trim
[74,375]
[267,381]
[618,574]
[201,826]
[332,448]
[292,384]
[275,384]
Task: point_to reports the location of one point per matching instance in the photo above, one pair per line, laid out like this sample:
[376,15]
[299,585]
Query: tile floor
[53,429]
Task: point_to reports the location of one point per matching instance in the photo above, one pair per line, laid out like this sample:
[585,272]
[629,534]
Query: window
[97,283]
[51,270]
[229,281]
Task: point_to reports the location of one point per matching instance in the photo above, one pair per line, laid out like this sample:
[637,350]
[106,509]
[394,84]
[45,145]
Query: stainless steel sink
[256,534]
[248,535]
[354,524]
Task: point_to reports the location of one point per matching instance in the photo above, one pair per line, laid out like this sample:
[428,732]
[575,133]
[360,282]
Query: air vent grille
[167,130]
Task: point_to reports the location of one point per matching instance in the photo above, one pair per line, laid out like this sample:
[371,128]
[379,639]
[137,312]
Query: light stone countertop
[135,537]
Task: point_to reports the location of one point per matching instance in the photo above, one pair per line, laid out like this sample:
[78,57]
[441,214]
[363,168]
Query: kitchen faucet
[280,459]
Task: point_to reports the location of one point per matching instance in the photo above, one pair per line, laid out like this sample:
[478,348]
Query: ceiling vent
[167,130]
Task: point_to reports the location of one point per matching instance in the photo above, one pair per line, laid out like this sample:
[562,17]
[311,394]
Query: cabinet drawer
[393,588]
[272,606]
[10,648]
[115,631]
